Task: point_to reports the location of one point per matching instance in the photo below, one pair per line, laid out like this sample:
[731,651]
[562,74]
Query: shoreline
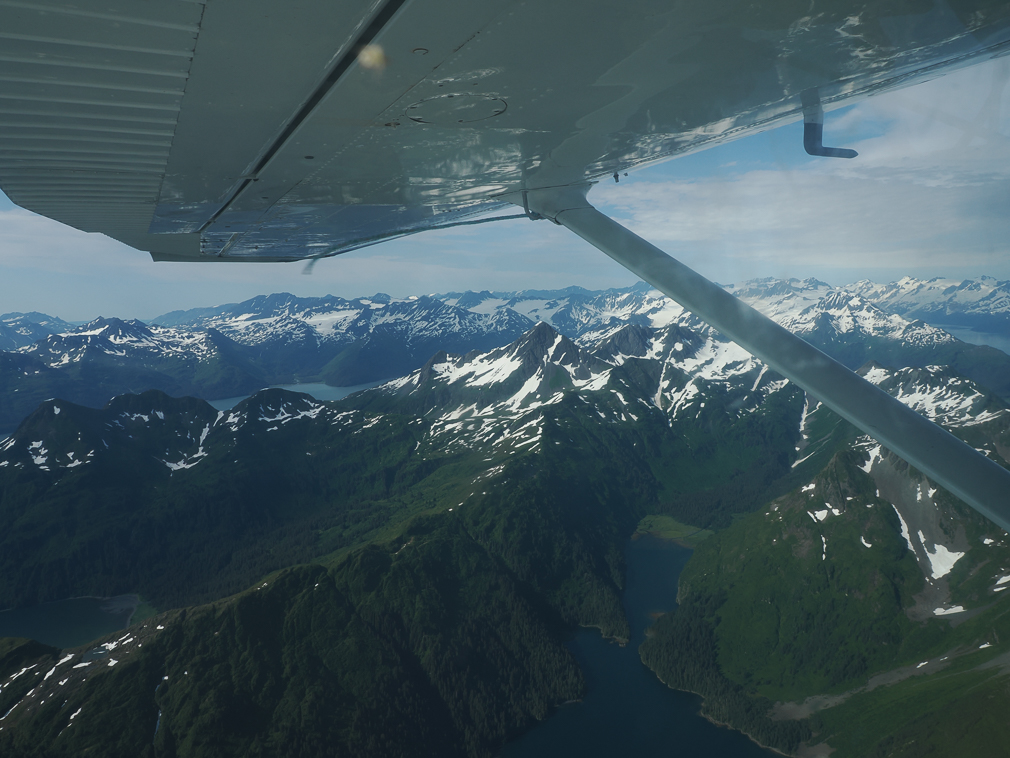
[79,597]
[701,712]
[609,637]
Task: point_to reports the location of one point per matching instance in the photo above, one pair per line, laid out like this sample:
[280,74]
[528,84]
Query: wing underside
[255,130]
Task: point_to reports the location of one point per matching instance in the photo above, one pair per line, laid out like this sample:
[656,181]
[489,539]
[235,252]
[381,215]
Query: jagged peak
[109,325]
[631,340]
[544,341]
[843,299]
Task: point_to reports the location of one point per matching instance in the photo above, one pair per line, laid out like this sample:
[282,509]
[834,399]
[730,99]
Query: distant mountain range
[982,303]
[514,400]
[396,573]
[24,329]
[232,350]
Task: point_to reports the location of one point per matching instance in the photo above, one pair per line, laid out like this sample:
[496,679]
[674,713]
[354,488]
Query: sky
[929,195]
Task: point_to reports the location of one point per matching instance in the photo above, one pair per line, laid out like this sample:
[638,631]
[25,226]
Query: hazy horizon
[368,295]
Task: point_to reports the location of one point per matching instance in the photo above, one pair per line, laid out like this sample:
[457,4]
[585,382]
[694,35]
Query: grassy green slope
[793,621]
[253,504]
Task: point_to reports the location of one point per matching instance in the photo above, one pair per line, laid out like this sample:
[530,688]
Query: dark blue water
[69,623]
[627,710]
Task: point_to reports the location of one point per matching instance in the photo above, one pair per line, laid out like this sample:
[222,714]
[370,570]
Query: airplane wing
[260,130]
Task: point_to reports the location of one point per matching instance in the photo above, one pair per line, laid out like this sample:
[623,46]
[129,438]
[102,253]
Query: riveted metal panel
[89,98]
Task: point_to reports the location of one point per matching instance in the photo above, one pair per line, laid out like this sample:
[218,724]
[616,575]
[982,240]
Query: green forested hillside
[814,620]
[385,655]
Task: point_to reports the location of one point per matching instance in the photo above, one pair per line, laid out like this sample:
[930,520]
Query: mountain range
[397,573]
[232,350]
[352,555]
[982,303]
[23,329]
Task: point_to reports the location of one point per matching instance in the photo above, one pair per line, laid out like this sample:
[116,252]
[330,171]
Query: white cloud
[53,268]
[927,192]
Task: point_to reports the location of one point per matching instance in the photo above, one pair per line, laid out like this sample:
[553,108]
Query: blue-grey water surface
[992,339]
[318,391]
[69,623]
[627,711]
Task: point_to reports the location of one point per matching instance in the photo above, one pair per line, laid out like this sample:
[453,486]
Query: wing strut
[975,479]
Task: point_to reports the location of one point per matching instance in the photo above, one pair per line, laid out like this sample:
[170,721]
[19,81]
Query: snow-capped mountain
[335,320]
[547,450]
[118,356]
[499,398]
[470,400]
[349,342]
[24,329]
[809,307]
[70,436]
[716,423]
[862,307]
[574,311]
[982,303]
[92,363]
[456,323]
[669,381]
[938,393]
[834,318]
[674,371]
[814,309]
[176,433]
[131,341]
[844,324]
[280,338]
[933,530]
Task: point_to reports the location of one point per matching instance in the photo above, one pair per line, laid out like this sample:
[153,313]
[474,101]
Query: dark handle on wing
[813,130]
